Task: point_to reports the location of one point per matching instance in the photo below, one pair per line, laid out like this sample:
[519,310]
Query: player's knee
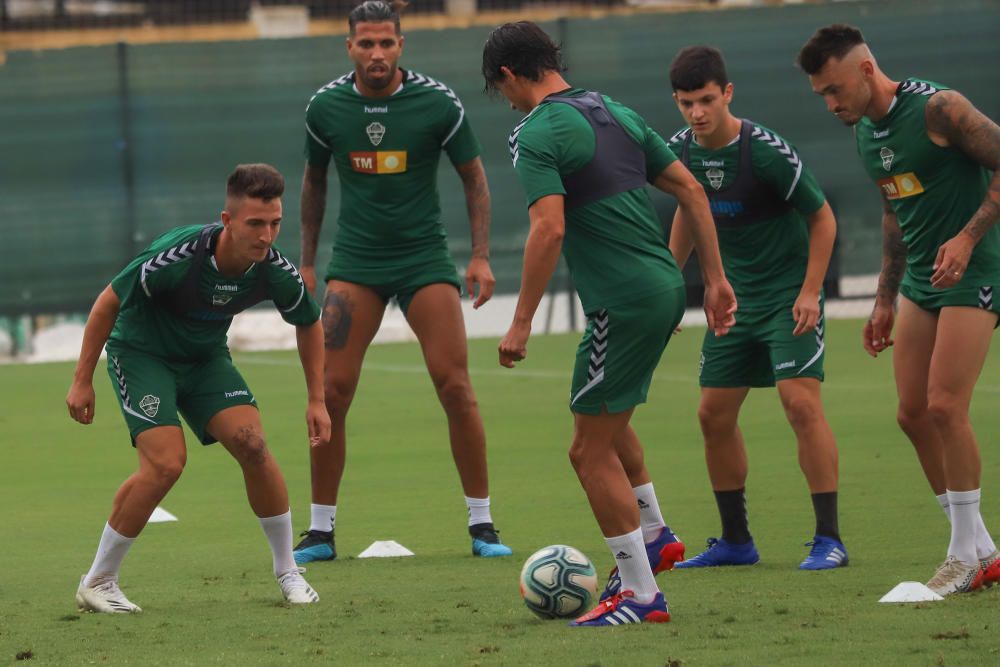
[577,454]
[715,421]
[910,417]
[802,413]
[249,447]
[339,393]
[166,470]
[945,408]
[455,393]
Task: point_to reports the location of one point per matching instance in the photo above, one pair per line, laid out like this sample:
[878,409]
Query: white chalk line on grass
[513,373]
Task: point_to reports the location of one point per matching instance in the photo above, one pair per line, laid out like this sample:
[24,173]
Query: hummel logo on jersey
[880,134]
[785,364]
[715,177]
[621,555]
[384,109]
[375,132]
[713,163]
[150,405]
[887,156]
[234,394]
[227,288]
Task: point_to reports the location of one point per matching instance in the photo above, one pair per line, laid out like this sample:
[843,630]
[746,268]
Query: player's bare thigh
[351,317]
[435,315]
[915,335]
[962,343]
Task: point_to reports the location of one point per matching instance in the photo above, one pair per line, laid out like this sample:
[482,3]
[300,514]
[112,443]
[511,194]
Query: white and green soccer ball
[558,582]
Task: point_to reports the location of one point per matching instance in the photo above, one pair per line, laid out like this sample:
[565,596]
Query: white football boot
[955,576]
[104,597]
[295,588]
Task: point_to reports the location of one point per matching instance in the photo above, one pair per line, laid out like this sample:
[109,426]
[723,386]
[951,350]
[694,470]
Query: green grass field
[209,597]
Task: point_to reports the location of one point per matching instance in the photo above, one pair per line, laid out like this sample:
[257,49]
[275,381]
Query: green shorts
[760,349]
[620,349]
[151,391]
[395,279]
[934,300]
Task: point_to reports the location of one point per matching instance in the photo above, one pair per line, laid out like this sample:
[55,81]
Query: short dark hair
[522,47]
[833,41]
[376,11]
[695,67]
[256,181]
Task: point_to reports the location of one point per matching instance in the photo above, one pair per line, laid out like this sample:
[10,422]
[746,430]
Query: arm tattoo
[311,214]
[952,116]
[893,256]
[477,201]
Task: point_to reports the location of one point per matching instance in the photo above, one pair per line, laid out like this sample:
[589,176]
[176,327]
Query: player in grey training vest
[584,161]
[164,319]
[776,234]
[931,153]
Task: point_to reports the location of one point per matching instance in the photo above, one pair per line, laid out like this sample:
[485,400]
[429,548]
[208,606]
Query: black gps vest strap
[618,164]
[186,300]
[747,200]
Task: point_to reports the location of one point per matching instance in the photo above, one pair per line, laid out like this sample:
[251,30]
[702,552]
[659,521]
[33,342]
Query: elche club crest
[887,156]
[715,176]
[150,405]
[375,132]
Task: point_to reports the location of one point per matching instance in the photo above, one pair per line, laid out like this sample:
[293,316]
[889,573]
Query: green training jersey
[765,260]
[386,151]
[146,324]
[614,246]
[934,191]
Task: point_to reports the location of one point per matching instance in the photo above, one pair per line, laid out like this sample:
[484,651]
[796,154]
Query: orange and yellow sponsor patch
[378,162]
[900,186]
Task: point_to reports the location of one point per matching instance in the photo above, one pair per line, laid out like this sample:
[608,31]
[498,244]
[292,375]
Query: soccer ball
[558,582]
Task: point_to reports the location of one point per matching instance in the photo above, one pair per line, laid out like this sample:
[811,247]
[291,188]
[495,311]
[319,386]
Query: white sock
[110,554]
[650,519]
[943,502]
[633,565]
[479,510]
[323,517]
[964,521]
[984,543]
[278,530]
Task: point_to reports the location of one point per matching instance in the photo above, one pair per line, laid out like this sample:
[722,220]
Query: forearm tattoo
[893,258]
[477,201]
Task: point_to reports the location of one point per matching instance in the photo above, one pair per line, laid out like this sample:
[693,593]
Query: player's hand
[318,423]
[514,346]
[479,272]
[805,312]
[952,260]
[720,307]
[308,274]
[877,334]
[80,402]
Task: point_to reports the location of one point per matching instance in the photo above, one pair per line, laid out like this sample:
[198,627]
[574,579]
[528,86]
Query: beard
[379,82]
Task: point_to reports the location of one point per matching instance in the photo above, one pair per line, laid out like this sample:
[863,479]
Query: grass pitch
[209,598]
